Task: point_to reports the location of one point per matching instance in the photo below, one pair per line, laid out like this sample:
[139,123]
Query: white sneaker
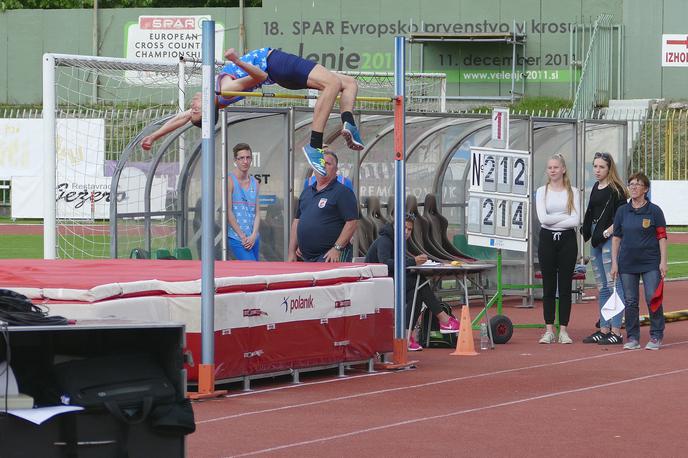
[547,338]
[654,344]
[632,344]
[564,338]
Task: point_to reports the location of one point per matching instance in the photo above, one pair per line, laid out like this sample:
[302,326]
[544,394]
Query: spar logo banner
[165,38]
[675,50]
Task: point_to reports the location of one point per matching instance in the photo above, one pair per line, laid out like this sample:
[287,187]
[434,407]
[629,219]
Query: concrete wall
[359,35]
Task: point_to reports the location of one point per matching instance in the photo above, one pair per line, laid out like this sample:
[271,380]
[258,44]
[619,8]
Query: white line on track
[463,412]
[422,385]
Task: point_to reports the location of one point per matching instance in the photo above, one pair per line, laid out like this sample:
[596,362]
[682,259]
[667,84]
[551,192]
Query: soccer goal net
[95,108]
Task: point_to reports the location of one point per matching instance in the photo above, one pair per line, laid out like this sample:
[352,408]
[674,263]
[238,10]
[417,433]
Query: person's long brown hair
[613,178]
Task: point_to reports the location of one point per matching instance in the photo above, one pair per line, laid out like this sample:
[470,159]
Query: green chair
[182,253]
[162,253]
[477,252]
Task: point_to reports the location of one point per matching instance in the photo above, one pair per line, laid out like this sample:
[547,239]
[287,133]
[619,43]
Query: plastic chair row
[429,230]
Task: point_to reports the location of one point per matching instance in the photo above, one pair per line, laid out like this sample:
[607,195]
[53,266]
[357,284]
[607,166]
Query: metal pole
[529,256]
[242,28]
[513,62]
[181,102]
[94,44]
[399,187]
[208,197]
[226,199]
[49,157]
[290,126]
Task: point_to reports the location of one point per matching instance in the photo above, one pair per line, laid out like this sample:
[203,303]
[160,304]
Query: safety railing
[596,72]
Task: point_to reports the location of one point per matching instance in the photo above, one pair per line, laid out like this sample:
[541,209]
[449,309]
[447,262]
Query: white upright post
[49,158]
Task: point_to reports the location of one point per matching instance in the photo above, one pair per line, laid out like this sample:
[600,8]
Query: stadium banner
[21,148]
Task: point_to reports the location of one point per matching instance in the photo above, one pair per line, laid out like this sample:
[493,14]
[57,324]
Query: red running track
[522,399]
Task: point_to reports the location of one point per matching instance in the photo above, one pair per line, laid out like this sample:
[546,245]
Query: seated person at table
[382,251]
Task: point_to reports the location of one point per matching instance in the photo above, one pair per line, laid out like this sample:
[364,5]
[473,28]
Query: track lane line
[463,412]
[422,385]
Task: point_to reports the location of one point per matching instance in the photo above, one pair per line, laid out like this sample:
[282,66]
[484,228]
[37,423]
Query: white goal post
[93,107]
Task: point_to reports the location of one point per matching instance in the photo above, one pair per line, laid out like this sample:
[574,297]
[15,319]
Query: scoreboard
[499,198]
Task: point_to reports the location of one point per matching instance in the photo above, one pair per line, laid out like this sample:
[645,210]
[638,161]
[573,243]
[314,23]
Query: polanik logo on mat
[299,303]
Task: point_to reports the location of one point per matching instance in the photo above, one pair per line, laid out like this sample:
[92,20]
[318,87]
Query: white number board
[500,127]
[499,198]
[504,171]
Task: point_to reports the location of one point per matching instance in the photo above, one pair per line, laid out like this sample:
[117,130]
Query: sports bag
[128,386]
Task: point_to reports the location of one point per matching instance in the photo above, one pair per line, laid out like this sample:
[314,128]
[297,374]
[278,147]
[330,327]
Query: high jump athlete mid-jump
[266,66]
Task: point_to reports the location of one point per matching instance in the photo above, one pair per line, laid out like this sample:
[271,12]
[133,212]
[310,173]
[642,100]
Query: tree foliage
[81,4]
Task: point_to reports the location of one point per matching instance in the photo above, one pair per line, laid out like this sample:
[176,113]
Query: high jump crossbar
[274,95]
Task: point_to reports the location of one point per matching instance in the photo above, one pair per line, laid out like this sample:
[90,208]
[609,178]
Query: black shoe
[611,339]
[595,338]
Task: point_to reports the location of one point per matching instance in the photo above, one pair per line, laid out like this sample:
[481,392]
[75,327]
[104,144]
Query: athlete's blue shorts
[288,70]
[241,253]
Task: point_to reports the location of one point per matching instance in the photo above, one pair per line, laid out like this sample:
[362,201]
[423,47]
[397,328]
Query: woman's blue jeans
[601,258]
[631,283]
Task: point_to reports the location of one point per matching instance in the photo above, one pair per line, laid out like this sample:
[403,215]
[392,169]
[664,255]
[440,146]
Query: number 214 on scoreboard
[490,215]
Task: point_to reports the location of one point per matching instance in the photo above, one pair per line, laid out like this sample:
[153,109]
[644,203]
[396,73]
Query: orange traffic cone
[465,346]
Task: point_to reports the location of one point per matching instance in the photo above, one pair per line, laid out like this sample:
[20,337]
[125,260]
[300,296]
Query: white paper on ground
[613,306]
[42,414]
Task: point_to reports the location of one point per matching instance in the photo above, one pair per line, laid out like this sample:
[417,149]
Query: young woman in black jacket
[607,194]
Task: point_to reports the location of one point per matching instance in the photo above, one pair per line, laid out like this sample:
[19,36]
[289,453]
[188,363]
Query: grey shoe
[654,344]
[548,338]
[564,338]
[632,344]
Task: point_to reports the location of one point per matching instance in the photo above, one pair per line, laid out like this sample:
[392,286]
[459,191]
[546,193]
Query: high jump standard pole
[206,370]
[400,356]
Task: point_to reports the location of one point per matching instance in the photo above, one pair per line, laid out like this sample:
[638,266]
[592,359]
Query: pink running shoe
[450,326]
[413,345]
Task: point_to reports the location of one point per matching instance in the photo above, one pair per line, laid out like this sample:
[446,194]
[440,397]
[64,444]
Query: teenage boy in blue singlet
[272,66]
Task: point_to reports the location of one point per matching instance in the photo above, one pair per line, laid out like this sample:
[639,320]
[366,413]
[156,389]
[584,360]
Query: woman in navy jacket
[639,249]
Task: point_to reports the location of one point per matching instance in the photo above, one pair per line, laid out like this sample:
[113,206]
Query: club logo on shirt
[646,223]
[322,202]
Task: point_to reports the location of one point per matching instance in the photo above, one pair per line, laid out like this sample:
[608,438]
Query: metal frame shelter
[512,38]
[436,156]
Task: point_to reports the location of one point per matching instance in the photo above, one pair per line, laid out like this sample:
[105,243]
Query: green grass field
[678,253]
[31,247]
